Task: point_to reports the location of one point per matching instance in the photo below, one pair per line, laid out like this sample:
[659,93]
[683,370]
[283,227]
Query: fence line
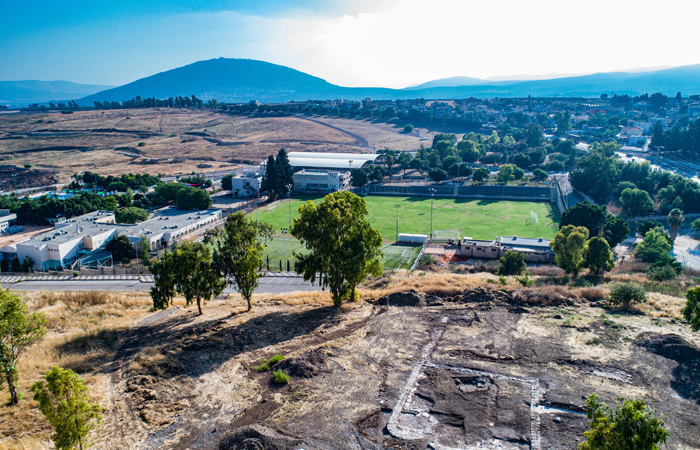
[497,192]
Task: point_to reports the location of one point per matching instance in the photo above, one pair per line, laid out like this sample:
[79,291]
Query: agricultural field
[480,219]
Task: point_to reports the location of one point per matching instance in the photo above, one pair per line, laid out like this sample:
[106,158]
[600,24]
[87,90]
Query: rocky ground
[473,370]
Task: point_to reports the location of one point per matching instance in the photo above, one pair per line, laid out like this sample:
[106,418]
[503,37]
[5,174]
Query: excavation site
[481,369]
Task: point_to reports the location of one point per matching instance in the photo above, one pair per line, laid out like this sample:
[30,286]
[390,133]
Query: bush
[275,359]
[264,367]
[280,377]
[511,263]
[594,341]
[627,293]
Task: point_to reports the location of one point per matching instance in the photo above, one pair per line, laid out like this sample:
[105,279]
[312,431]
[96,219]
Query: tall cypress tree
[270,182]
[284,172]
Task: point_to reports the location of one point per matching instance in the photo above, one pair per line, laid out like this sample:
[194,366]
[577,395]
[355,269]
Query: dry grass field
[173,141]
[176,380]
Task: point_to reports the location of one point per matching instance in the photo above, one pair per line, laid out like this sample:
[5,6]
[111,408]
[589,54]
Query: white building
[7,219]
[320,180]
[78,237]
[246,185]
[328,161]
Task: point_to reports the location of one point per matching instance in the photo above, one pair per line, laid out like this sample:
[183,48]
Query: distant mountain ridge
[242,80]
[34,91]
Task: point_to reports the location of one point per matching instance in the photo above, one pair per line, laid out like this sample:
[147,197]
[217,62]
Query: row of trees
[343,249]
[39,210]
[120,183]
[152,102]
[603,175]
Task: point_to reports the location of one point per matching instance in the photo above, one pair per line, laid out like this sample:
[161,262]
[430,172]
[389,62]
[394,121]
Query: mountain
[242,80]
[449,82]
[227,80]
[684,79]
[17,93]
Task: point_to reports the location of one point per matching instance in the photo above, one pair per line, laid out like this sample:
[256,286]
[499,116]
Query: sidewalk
[11,279]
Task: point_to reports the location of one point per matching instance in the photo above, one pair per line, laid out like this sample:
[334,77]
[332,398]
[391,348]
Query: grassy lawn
[480,219]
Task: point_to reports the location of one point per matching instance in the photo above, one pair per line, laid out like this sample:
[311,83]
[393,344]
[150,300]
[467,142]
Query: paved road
[268,285]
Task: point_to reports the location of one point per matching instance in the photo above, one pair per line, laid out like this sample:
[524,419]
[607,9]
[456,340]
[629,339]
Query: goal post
[533,218]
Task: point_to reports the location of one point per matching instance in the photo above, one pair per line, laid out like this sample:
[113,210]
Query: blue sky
[393,43]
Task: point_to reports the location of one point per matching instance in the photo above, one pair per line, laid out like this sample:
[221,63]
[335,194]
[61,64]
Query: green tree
[627,293]
[389,161]
[358,177]
[285,172]
[193,198]
[131,215]
[563,121]
[270,180]
[18,330]
[630,426]
[64,402]
[675,221]
[506,173]
[518,173]
[468,151]
[534,134]
[691,310]
[653,247]
[597,256]
[343,247]
[511,263]
[695,226]
[227,183]
[599,172]
[539,174]
[190,271]
[647,225]
[121,248]
[404,160]
[238,252]
[407,128]
[481,174]
[436,174]
[636,202]
[568,246]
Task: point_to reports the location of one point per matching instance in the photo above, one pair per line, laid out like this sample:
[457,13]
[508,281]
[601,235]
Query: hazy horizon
[395,44]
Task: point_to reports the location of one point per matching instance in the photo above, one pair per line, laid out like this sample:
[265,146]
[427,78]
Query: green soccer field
[480,219]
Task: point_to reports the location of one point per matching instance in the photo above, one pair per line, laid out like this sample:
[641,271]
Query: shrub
[264,367]
[511,263]
[525,281]
[594,341]
[280,377]
[275,359]
[626,293]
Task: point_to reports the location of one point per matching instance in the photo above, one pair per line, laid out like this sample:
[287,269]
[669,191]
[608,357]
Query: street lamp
[432,195]
[14,177]
[397,222]
[284,239]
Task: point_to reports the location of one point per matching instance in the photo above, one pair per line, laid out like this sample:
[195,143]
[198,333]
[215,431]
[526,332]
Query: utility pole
[432,196]
[14,177]
[397,222]
[94,168]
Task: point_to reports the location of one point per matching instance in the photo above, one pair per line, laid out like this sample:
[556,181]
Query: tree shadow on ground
[194,348]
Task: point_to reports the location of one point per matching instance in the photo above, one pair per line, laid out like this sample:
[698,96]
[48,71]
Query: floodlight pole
[397,222]
[14,177]
[94,167]
[289,188]
[284,231]
[432,195]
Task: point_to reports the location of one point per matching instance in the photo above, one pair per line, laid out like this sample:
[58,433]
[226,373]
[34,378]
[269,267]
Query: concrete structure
[328,161]
[247,184]
[320,181]
[81,236]
[7,220]
[413,238]
[535,250]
